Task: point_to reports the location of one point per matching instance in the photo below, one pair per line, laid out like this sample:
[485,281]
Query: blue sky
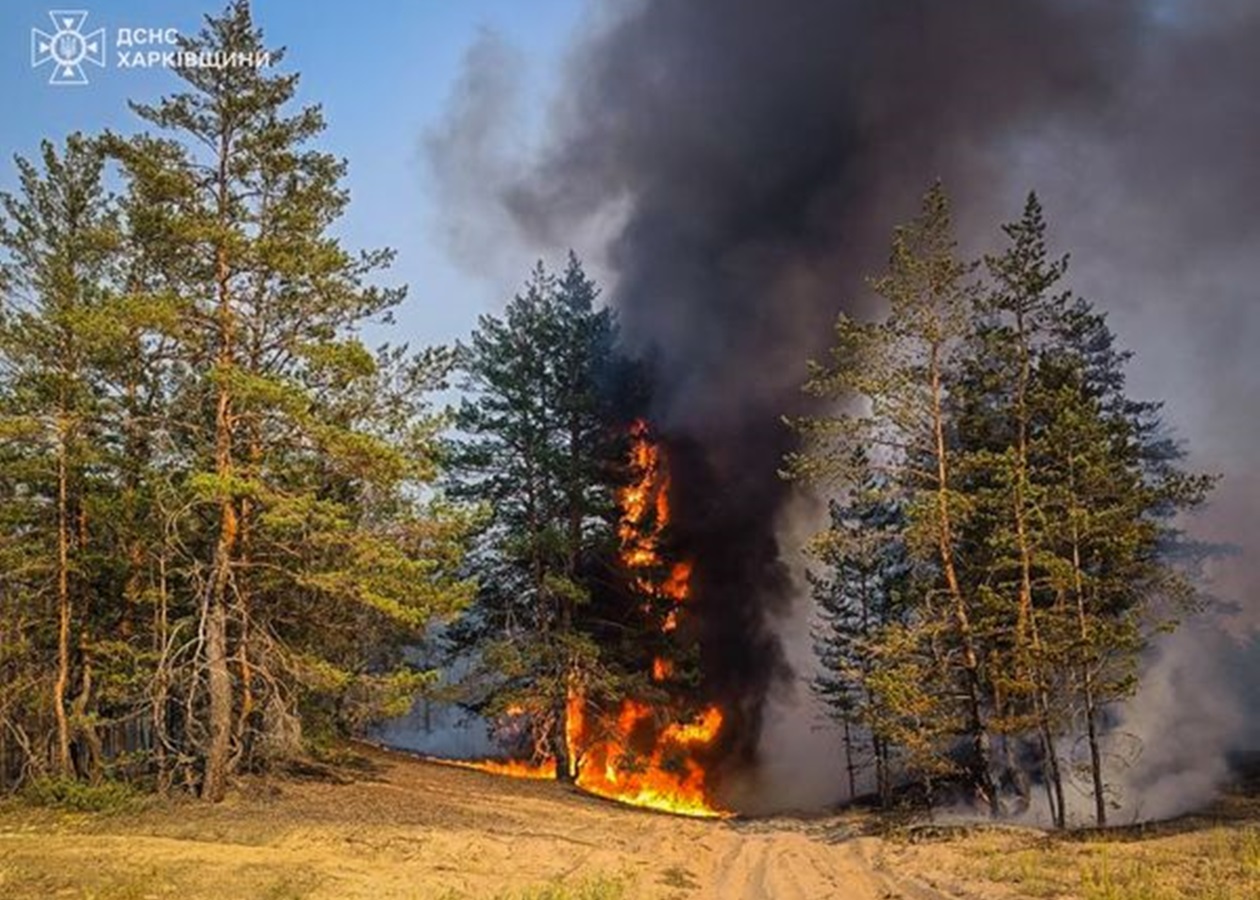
[383,72]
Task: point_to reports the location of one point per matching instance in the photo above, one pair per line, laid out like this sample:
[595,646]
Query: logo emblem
[67,48]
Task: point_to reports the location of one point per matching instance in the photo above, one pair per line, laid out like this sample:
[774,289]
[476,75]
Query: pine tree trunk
[1052,799]
[60,686]
[850,767]
[93,751]
[1029,648]
[1087,678]
[131,487]
[85,729]
[241,596]
[1010,768]
[1095,757]
[1054,782]
[219,678]
[161,639]
[981,764]
[218,675]
[883,778]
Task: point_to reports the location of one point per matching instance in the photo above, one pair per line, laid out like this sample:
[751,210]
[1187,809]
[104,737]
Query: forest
[228,516]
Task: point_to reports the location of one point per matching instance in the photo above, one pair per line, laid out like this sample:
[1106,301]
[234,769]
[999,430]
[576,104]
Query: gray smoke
[735,168]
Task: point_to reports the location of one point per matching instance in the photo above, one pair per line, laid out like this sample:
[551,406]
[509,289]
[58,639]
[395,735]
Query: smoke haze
[734,169]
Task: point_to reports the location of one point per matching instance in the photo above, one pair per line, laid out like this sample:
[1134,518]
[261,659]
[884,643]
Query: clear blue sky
[383,72]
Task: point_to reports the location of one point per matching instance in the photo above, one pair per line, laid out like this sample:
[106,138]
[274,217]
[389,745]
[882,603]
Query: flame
[667,776]
[662,669]
[636,754]
[513,768]
[641,758]
[677,586]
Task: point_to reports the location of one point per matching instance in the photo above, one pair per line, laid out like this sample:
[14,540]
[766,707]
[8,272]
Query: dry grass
[599,888]
[1200,860]
[1220,864]
[25,875]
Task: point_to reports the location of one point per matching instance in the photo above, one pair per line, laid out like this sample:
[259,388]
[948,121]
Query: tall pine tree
[541,448]
[302,536]
[58,235]
[891,380]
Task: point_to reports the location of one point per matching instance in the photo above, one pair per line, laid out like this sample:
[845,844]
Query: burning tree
[577,626]
[648,750]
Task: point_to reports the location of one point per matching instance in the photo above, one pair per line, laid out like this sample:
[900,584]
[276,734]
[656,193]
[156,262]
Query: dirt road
[406,829]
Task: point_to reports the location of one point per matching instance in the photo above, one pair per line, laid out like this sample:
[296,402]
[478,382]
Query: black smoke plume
[736,167]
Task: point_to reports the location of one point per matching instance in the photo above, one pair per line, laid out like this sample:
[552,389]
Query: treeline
[225,520]
[219,527]
[1002,542]
[226,523]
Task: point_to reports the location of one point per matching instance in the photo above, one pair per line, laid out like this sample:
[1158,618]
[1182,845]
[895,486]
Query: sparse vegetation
[598,888]
[71,794]
[678,877]
[1217,862]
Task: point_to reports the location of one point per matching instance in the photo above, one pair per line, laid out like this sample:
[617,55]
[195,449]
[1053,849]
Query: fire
[544,770]
[637,754]
[644,504]
[639,757]
[662,669]
[667,776]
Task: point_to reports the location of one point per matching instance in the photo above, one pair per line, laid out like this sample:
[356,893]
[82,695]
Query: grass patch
[1108,878]
[30,875]
[80,796]
[1220,863]
[1025,868]
[29,879]
[678,877]
[599,888]
[289,889]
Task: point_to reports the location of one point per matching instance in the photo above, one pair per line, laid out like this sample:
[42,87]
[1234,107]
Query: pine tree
[541,449]
[893,378]
[1063,445]
[1038,501]
[859,593]
[299,450]
[1116,483]
[57,234]
[997,405]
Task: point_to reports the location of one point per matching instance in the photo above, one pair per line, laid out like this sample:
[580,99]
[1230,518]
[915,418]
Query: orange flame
[662,669]
[637,756]
[640,759]
[666,776]
[513,768]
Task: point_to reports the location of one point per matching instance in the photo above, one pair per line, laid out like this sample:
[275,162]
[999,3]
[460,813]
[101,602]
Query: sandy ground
[407,829]
[400,828]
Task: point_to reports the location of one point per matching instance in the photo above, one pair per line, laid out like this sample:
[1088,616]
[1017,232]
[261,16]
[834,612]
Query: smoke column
[735,169]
